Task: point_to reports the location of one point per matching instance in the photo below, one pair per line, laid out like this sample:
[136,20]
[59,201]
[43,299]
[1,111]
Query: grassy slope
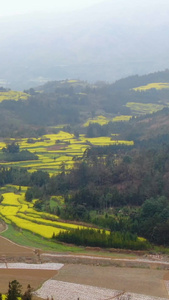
[27,238]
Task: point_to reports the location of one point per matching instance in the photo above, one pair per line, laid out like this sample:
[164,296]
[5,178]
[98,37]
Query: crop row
[55,149]
[15,210]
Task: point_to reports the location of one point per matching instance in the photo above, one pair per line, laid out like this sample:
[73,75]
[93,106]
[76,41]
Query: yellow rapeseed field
[54,149]
[8,210]
[108,141]
[99,119]
[43,230]
[16,210]
[102,120]
[10,199]
[121,118]
[154,85]
[48,222]
[13,95]
[144,108]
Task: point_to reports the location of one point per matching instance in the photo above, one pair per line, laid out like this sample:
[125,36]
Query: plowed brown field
[8,248]
[33,277]
[133,280]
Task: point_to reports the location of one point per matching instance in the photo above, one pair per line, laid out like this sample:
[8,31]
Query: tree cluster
[122,178]
[12,153]
[98,238]
[15,291]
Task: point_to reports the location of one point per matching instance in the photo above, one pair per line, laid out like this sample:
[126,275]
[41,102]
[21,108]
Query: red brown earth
[147,280]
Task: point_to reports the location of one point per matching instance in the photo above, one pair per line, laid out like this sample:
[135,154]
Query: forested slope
[120,187]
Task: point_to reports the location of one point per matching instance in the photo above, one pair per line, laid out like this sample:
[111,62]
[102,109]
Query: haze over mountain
[107,41]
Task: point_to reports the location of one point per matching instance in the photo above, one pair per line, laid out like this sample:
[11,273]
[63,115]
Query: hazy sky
[13,7]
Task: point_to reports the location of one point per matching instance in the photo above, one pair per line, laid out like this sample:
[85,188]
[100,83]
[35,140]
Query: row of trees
[98,238]
[12,153]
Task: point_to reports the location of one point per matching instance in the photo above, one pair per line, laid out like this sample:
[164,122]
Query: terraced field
[16,211]
[54,150]
[13,95]
[154,85]
[102,120]
[144,108]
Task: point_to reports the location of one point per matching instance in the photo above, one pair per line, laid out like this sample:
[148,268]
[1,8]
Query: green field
[27,238]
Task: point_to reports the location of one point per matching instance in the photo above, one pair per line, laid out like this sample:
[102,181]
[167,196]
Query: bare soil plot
[166,276]
[56,147]
[72,291]
[133,280]
[33,277]
[8,248]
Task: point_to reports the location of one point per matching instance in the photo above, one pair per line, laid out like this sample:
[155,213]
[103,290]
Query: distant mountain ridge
[136,80]
[108,41]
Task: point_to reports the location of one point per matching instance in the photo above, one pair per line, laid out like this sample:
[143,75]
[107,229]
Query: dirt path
[9,250]
[137,262]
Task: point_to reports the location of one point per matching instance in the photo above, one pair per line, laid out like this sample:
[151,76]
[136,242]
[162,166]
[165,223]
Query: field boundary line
[6,228]
[136,260]
[26,247]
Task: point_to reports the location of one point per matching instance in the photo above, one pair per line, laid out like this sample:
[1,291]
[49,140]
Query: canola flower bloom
[14,95]
[144,108]
[154,85]
[51,223]
[7,211]
[24,216]
[43,230]
[108,141]
[10,199]
[24,208]
[121,118]
[102,120]
[61,135]
[53,149]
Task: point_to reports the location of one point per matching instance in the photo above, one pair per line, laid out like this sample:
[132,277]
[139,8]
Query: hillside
[74,102]
[90,153]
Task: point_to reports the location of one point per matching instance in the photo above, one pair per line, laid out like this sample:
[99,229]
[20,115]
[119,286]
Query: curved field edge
[26,238]
[21,214]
